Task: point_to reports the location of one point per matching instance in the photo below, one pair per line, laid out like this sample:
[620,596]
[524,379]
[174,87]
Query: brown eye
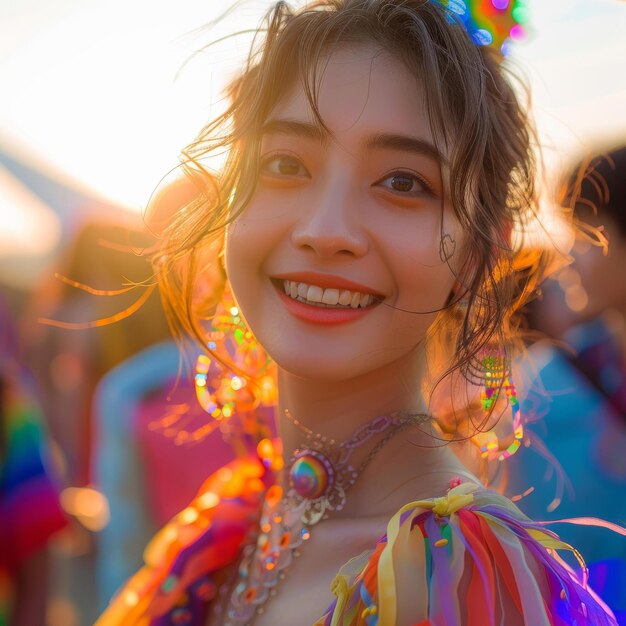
[402,183]
[405,184]
[285,165]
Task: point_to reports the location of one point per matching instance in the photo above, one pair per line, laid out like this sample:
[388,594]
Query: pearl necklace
[319,474]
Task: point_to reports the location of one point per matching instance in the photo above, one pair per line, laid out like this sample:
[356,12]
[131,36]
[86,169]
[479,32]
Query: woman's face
[337,263]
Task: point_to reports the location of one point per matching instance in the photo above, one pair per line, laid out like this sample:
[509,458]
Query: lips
[322,299]
[329,297]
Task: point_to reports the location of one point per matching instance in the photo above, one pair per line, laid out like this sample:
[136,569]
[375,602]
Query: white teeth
[345,297]
[330,296]
[326,297]
[315,293]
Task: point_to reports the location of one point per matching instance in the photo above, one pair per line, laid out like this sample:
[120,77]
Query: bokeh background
[97,97]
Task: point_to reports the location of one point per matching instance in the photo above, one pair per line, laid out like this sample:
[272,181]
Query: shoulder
[200,541]
[466,556]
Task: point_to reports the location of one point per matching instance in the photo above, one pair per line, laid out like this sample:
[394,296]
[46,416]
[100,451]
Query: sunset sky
[95,90]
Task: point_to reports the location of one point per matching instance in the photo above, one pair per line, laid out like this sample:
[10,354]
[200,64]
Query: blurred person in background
[30,511]
[72,351]
[112,381]
[152,448]
[582,379]
[68,356]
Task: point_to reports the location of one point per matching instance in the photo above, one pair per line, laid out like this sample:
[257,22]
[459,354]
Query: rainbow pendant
[320,472]
[311,474]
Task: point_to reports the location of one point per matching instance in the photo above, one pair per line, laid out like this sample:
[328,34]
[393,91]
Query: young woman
[378,162]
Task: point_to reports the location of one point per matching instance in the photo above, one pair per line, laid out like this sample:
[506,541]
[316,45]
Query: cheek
[255,231]
[242,257]
[249,244]
[424,294]
[427,264]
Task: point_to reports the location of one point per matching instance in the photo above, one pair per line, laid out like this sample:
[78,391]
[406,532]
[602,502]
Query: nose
[332,224]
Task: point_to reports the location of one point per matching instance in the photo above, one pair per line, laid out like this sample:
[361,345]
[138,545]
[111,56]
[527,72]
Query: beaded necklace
[319,474]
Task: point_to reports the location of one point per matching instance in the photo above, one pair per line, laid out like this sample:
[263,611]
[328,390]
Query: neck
[336,409]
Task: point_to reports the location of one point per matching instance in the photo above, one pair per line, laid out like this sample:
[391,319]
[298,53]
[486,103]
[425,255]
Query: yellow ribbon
[455,499]
[339,587]
[556,544]
[452,501]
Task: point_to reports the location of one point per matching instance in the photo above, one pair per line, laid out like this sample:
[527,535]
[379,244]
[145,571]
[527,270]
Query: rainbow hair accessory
[493,23]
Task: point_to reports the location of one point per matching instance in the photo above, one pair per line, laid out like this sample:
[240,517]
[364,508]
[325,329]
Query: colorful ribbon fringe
[456,560]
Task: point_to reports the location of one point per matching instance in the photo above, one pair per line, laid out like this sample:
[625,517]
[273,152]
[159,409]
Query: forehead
[362,88]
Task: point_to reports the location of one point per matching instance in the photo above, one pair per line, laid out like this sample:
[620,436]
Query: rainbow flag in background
[30,511]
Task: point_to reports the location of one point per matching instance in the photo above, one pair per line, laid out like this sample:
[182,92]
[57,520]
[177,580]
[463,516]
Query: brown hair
[476,119]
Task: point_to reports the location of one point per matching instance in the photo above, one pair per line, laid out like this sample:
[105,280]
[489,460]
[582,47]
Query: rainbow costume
[470,533]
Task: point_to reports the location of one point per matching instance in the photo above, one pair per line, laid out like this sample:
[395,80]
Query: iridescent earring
[238,375]
[497,378]
[236,378]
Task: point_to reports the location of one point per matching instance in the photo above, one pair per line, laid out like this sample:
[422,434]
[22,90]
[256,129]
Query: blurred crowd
[93,394]
[90,386]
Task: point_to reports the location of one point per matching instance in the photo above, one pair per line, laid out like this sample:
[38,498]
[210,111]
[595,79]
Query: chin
[338,365]
[321,370]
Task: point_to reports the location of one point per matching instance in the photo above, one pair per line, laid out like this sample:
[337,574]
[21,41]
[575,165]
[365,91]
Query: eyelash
[426,186]
[265,162]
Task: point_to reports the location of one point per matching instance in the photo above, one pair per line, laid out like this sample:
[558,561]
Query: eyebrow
[379,141]
[294,127]
[404,143]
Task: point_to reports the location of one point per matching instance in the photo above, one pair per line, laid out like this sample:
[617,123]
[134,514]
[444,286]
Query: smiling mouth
[332,298]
